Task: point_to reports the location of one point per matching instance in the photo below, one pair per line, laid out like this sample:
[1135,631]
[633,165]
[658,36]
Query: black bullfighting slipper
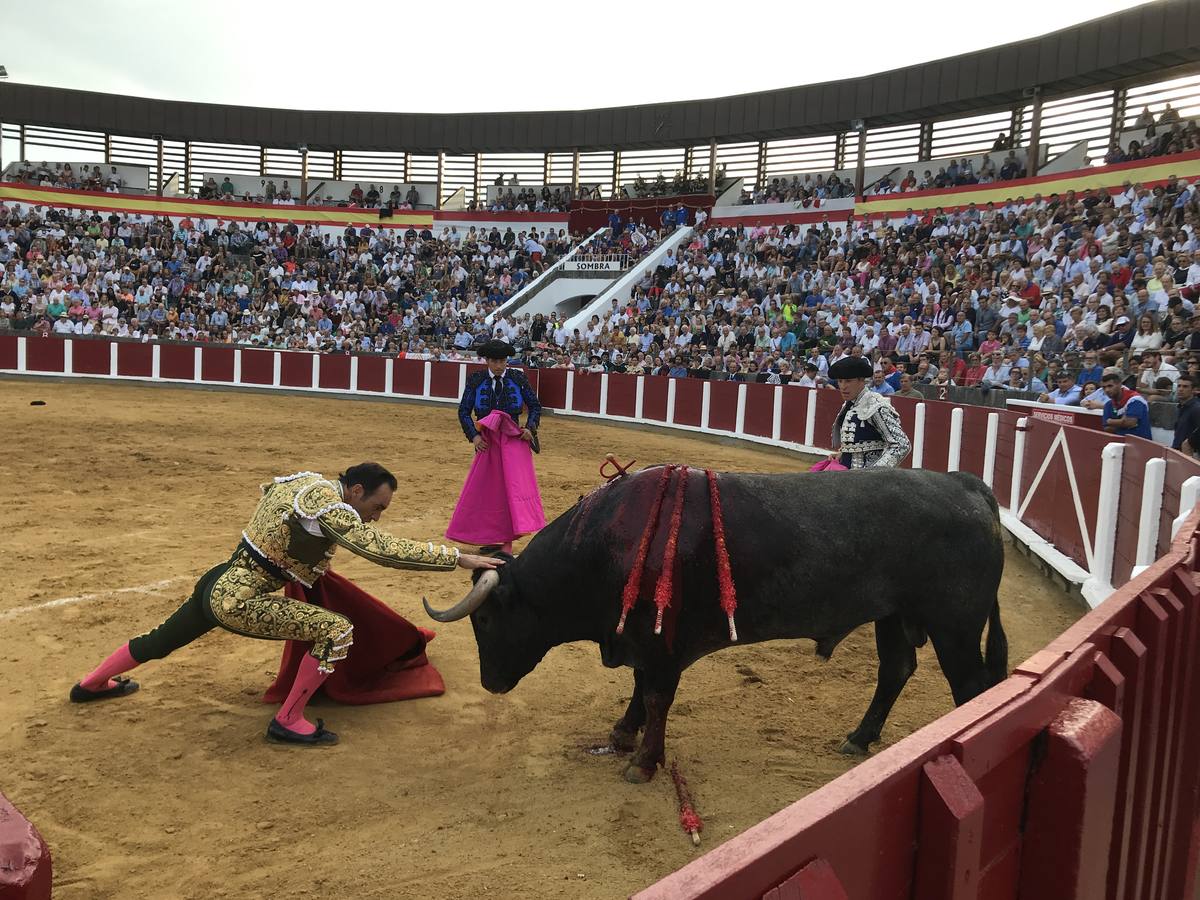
[276,733]
[123,686]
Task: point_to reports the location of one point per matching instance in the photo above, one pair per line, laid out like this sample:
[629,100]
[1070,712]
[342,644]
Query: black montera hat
[851,367]
[496,349]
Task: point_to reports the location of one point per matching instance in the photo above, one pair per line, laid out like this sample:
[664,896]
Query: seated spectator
[1067,393]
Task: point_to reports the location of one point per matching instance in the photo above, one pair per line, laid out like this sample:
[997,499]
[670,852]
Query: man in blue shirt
[1068,393]
[880,385]
[1126,411]
[1092,371]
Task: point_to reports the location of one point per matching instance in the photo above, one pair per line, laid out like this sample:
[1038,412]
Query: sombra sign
[592,265]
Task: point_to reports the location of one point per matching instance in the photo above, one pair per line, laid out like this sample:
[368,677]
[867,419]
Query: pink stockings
[120,661]
[308,680]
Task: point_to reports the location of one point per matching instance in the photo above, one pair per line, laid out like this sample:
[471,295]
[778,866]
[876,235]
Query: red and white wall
[1095,507]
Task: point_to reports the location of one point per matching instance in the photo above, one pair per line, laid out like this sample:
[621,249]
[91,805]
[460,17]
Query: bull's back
[885,525]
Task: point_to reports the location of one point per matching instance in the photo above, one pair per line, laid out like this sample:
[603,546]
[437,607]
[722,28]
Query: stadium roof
[1147,41]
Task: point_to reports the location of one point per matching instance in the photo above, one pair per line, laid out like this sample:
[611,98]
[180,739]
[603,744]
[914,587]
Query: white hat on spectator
[1122,320]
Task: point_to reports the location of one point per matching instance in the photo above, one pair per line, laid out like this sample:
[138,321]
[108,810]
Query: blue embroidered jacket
[479,398]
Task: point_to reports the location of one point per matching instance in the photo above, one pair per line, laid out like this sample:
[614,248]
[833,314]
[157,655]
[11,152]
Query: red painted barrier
[654,398]
[335,372]
[1057,493]
[372,374]
[552,388]
[443,379]
[794,414]
[622,395]
[24,857]
[135,360]
[258,367]
[408,377]
[8,351]
[177,361]
[586,394]
[91,357]
[722,405]
[829,404]
[296,370]
[216,364]
[760,409]
[1006,440]
[936,453]
[689,401]
[908,421]
[45,355]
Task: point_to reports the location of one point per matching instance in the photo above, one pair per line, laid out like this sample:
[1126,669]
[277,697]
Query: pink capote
[500,499]
[828,465]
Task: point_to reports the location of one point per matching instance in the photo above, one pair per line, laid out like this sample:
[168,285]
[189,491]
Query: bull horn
[467,604]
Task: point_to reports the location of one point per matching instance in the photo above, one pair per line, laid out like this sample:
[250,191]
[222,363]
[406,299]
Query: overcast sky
[467,55]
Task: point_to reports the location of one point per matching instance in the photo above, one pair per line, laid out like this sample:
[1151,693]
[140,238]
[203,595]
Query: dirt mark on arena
[173,793]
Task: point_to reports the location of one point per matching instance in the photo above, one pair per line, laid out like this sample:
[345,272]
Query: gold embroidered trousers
[240,597]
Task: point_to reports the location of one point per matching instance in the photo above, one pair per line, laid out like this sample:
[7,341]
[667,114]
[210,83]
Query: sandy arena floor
[173,793]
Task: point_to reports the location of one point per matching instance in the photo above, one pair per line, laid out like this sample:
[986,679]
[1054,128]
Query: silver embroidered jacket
[868,433]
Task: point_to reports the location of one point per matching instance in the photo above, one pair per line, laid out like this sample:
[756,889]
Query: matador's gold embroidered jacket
[302,518]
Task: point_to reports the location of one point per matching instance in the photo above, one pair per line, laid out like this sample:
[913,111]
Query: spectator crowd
[809,190]
[79,177]
[282,195]
[260,284]
[1083,299]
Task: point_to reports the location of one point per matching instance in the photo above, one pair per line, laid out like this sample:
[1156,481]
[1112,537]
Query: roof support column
[1016,125]
[860,168]
[477,180]
[1120,101]
[304,175]
[441,165]
[158,180]
[712,166]
[925,141]
[575,175]
[1035,135]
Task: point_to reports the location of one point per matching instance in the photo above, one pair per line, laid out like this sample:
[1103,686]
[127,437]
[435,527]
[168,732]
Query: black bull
[815,556]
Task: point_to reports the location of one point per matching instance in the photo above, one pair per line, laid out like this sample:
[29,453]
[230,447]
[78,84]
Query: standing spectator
[1188,420]
[1125,410]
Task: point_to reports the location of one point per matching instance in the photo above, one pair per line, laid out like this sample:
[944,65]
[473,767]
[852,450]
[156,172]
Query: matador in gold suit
[300,521]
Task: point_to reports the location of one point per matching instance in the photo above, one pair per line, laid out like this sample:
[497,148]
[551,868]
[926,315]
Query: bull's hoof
[849,748]
[635,774]
[623,741]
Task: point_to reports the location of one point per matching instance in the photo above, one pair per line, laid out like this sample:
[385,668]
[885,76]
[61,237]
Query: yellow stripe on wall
[1078,181]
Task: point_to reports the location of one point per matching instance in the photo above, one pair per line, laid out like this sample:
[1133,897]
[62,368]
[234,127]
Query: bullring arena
[463,795]
[196,299]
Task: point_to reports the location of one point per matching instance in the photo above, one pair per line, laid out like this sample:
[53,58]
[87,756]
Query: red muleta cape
[387,661]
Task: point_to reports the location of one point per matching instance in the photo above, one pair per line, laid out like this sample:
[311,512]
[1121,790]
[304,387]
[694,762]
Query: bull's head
[512,637]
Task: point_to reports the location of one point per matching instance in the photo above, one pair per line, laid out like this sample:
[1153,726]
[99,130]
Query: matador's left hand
[526,435]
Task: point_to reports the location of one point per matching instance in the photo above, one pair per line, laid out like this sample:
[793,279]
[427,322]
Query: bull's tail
[995,656]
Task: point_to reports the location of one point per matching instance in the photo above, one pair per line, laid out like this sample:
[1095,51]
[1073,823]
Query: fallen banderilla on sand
[689,819]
